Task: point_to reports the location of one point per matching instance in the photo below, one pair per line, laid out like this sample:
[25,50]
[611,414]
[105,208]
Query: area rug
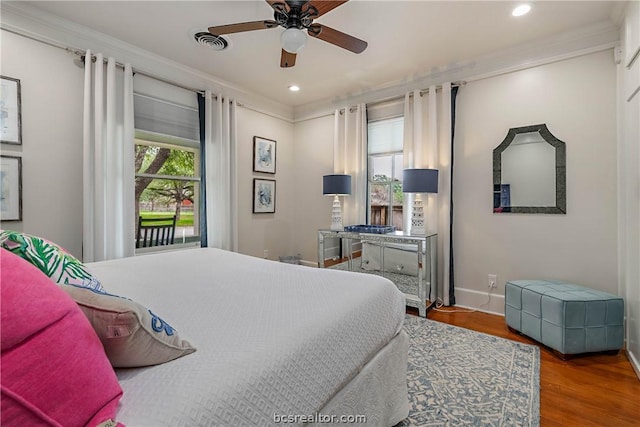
[458,377]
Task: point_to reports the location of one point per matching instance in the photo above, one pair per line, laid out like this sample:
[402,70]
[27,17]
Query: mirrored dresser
[409,261]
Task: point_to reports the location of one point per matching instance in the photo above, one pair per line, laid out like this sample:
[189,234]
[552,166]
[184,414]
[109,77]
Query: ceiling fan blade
[241,27]
[324,6]
[287,59]
[339,38]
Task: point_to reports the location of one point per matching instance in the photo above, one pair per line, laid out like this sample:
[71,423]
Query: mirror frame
[561,170]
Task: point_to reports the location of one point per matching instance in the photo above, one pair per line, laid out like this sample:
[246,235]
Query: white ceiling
[406,38]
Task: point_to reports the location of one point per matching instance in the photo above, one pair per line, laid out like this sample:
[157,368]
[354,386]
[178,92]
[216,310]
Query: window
[385,145]
[168,184]
[167,160]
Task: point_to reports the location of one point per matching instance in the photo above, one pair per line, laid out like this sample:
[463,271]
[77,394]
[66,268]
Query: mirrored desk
[409,261]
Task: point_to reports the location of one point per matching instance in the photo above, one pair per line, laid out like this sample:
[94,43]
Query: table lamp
[336,185]
[419,181]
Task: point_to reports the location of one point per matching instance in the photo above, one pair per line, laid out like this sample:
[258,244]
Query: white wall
[314,158]
[51,150]
[260,232]
[576,98]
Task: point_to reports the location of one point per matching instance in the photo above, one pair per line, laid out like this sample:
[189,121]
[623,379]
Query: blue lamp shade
[420,181]
[336,184]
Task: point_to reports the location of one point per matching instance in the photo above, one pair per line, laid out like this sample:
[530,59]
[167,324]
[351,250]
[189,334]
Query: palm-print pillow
[51,259]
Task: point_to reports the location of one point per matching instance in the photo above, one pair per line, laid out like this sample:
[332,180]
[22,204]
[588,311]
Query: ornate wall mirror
[529,172]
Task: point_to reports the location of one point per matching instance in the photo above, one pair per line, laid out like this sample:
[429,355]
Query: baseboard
[482,301]
[466,298]
[635,363]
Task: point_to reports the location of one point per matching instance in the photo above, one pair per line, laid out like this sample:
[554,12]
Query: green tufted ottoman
[569,318]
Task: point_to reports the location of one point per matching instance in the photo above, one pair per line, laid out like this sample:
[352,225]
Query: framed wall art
[10,188]
[264,195]
[10,114]
[264,155]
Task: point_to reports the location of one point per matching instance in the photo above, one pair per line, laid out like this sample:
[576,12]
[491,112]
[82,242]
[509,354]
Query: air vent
[209,40]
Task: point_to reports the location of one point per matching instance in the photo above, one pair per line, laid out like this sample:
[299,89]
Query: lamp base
[336,215]
[417,217]
[418,231]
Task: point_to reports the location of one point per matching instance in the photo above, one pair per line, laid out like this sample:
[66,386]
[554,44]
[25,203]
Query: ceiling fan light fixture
[293,39]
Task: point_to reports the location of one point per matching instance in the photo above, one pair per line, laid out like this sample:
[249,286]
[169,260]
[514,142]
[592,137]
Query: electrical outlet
[265,254]
[493,281]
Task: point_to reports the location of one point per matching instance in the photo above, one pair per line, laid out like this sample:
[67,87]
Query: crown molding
[591,39]
[26,20]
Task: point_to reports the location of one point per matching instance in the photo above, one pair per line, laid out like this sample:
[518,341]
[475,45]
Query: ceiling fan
[296,17]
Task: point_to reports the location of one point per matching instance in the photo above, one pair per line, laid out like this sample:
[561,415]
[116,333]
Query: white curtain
[221,172]
[350,157]
[108,160]
[427,144]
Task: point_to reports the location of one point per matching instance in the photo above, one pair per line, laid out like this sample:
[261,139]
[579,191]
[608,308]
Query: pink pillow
[54,368]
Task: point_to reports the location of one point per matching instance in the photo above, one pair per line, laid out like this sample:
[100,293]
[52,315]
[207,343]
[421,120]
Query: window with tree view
[168,184]
[385,143]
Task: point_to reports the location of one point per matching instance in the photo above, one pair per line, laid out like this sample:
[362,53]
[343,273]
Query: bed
[275,342]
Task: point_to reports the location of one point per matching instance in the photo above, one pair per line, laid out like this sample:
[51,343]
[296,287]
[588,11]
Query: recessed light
[523,9]
[294,88]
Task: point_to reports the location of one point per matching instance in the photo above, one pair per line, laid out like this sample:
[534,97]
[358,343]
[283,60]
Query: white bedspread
[272,338]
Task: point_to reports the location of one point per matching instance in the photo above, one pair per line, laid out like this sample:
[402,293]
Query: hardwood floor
[589,390]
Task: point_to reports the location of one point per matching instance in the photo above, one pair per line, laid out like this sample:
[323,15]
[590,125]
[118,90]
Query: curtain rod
[82,56]
[43,41]
[239,104]
[261,111]
[438,87]
[200,91]
[81,53]
[352,109]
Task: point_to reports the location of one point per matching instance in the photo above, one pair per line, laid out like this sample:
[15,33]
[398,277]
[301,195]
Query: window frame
[389,183]
[153,139]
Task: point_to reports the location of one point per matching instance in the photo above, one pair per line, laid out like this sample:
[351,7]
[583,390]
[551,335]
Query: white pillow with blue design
[132,335]
[59,265]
